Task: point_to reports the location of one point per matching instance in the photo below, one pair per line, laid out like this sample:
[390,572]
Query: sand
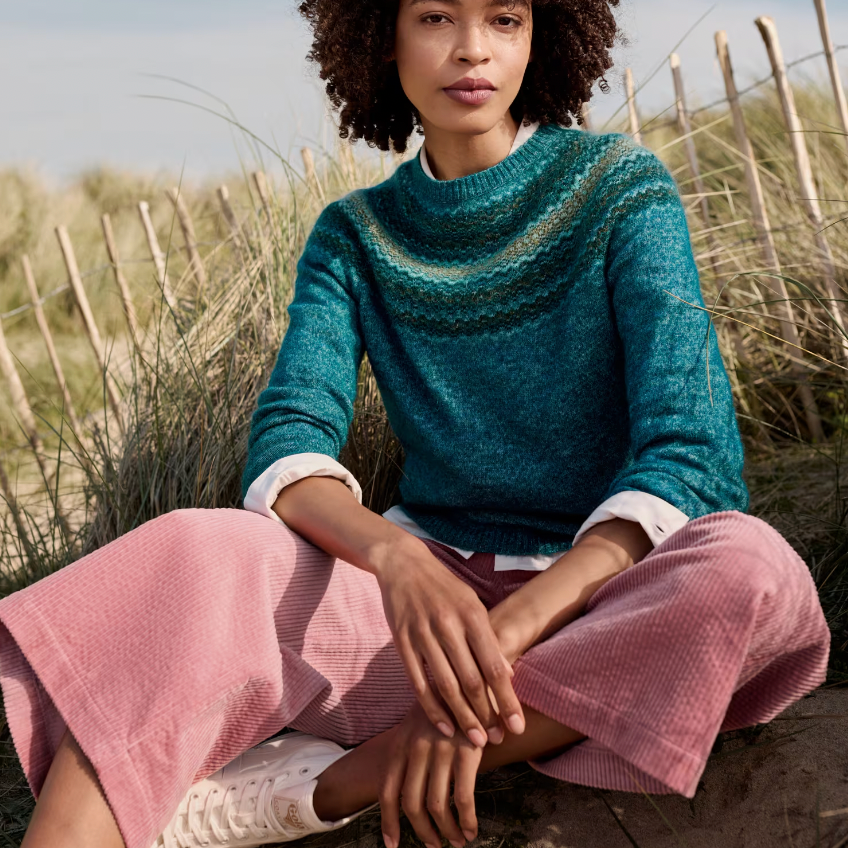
[758,792]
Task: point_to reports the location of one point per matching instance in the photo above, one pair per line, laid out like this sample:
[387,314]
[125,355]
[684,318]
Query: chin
[473,122]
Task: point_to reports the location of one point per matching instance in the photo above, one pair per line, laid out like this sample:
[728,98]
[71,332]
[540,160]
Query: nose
[472,45]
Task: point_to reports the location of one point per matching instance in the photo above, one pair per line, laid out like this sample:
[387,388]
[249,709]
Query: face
[439,42]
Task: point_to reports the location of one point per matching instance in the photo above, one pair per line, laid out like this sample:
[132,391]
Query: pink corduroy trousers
[203,632]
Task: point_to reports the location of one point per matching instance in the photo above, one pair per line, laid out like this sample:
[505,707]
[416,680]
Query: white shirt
[658,518]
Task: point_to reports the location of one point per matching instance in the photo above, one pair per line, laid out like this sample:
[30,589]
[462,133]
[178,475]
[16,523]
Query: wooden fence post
[20,401]
[126,299]
[585,110]
[631,106]
[88,320]
[348,163]
[261,183]
[230,218]
[768,30]
[833,68]
[685,128]
[156,254]
[764,236]
[24,411]
[311,176]
[187,226]
[41,320]
[23,535]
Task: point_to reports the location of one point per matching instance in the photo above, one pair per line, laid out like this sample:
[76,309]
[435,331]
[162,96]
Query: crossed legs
[72,810]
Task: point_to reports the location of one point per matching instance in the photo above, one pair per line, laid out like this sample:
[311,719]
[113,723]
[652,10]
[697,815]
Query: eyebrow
[523,3]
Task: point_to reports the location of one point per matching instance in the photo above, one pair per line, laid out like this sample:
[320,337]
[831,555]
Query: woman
[570,579]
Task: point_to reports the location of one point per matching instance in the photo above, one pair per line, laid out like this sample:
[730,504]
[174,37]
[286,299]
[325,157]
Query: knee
[211,529]
[750,554]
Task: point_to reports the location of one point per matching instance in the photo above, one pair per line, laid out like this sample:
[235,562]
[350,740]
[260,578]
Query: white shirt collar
[520,137]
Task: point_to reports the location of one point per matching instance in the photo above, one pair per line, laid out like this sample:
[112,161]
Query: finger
[450,690]
[474,686]
[466,763]
[389,796]
[438,794]
[413,794]
[497,674]
[424,692]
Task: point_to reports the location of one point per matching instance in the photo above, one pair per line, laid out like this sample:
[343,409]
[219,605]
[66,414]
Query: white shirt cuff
[265,489]
[659,519]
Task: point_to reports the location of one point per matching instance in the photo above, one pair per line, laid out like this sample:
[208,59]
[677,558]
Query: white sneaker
[261,797]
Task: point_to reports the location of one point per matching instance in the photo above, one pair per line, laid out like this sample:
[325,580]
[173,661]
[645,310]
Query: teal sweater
[536,336]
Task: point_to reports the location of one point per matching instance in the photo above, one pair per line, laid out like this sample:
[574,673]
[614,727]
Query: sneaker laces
[200,820]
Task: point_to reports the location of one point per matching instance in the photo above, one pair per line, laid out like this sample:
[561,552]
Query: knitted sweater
[536,335]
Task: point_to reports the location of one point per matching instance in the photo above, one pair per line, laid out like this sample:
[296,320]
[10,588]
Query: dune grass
[190,389]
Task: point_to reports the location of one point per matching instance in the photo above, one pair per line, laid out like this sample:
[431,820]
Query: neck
[453,154]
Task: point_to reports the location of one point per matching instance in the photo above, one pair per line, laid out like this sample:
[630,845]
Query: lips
[472,92]
[470,84]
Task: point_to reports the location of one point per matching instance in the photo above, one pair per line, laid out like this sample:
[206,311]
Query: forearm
[559,595]
[324,511]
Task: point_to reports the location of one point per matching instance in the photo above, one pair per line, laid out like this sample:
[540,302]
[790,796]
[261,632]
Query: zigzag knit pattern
[538,334]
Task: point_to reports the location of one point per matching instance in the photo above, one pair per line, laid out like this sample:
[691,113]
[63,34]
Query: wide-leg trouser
[201,633]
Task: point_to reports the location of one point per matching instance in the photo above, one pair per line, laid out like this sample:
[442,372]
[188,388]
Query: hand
[421,764]
[437,619]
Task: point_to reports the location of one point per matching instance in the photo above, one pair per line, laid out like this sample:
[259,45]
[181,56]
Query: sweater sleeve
[685,442]
[307,406]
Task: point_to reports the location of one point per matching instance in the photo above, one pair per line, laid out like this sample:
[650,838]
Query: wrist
[513,628]
[397,543]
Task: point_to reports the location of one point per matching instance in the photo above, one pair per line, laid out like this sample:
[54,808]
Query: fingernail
[469,835]
[515,724]
[495,734]
[456,843]
[390,843]
[476,736]
[445,728]
[431,845]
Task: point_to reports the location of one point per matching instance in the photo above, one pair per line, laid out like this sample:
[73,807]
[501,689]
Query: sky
[83,81]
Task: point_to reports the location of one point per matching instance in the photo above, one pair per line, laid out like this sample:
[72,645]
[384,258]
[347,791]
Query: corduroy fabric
[538,336]
[201,633]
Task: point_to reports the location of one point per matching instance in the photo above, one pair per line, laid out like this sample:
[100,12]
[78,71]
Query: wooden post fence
[157,255]
[88,320]
[833,68]
[27,420]
[230,218]
[187,226]
[585,111]
[807,184]
[311,176]
[126,299]
[635,131]
[44,328]
[766,240]
[261,183]
[23,534]
[685,128]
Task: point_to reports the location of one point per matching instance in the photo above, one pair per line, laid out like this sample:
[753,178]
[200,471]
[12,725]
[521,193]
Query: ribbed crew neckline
[483,182]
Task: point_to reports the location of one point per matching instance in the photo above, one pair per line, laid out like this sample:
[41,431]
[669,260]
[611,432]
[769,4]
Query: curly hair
[353,39]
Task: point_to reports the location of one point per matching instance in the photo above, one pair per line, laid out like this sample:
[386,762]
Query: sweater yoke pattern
[488,288]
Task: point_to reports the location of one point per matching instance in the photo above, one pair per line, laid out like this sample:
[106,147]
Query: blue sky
[73,73]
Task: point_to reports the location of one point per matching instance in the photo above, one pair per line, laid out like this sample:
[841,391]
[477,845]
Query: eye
[514,21]
[434,15]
